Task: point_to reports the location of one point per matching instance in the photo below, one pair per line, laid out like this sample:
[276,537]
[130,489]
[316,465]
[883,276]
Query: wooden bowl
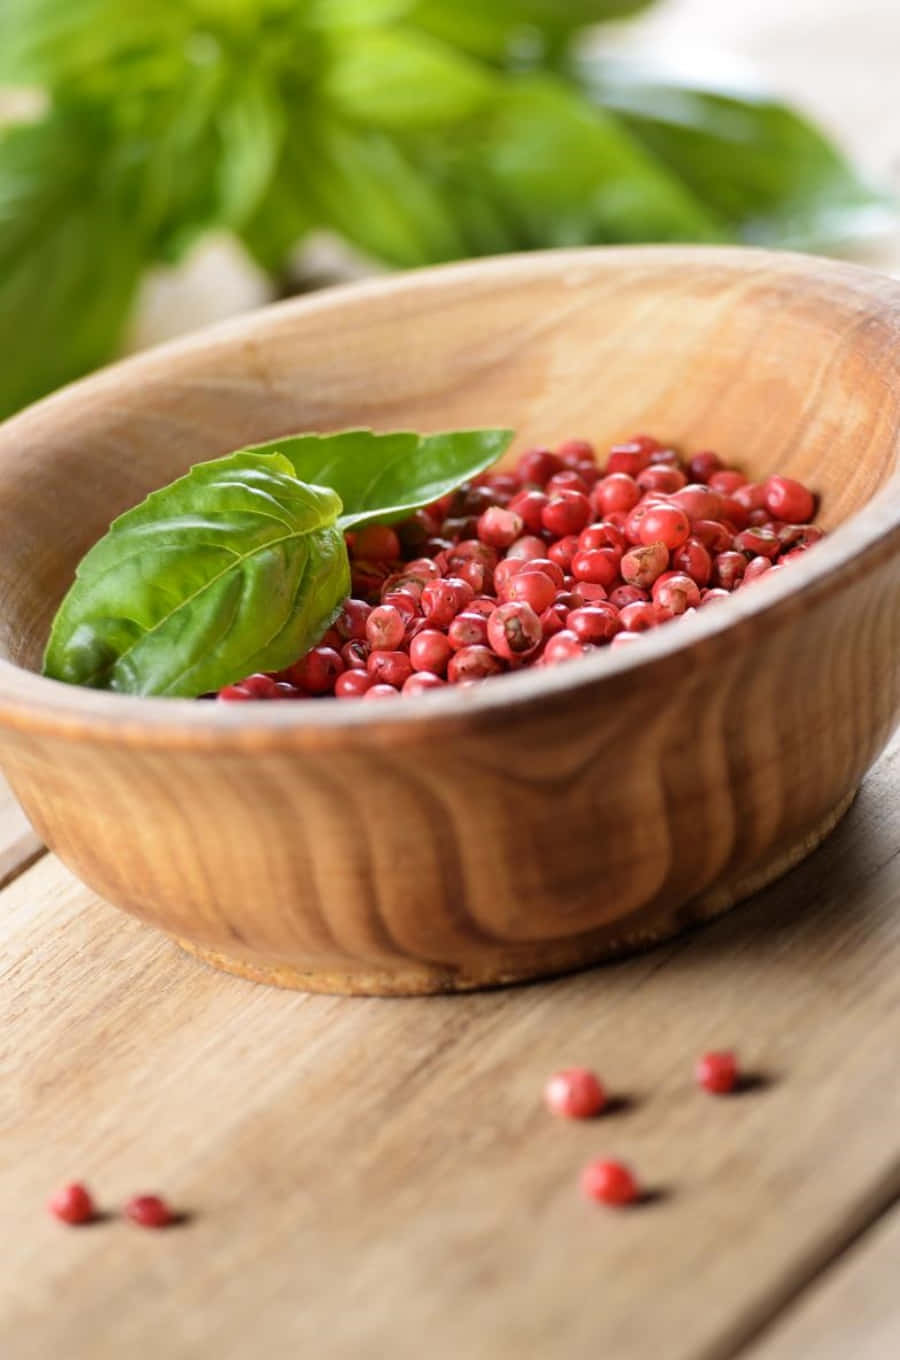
[536,823]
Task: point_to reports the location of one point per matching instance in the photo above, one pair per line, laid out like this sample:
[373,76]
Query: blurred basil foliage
[420,130]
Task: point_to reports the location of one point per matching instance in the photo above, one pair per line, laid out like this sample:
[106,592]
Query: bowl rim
[31,702]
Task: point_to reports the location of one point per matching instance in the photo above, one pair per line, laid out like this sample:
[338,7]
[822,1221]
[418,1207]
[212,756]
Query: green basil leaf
[770,177]
[381,477]
[493,28]
[233,568]
[397,79]
[70,255]
[570,174]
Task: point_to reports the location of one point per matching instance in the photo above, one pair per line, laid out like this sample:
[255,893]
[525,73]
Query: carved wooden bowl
[536,823]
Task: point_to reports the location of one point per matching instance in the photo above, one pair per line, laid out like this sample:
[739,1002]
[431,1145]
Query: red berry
[575,451]
[666,524]
[638,618]
[538,465]
[757,543]
[713,535]
[431,650]
[376,543]
[703,465]
[381,691]
[676,593]
[389,667]
[698,502]
[352,684]
[752,496]
[354,655]
[600,566]
[420,681]
[756,567]
[596,623]
[525,549]
[625,595]
[694,560]
[351,622]
[547,567]
[574,1093]
[727,480]
[630,458]
[473,663]
[514,630]
[661,478]
[642,566]
[717,1072]
[728,569]
[618,492]
[500,528]
[149,1211]
[317,671]
[529,506]
[563,647]
[260,686]
[72,1204]
[566,512]
[468,629]
[443,600]
[608,1183]
[563,550]
[532,588]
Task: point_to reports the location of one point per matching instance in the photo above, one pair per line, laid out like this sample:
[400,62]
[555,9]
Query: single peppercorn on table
[369,1178]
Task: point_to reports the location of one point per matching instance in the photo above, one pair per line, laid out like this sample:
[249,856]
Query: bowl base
[544,960]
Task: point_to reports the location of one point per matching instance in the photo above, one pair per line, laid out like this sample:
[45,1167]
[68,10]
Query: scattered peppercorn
[609,1183]
[717,1072]
[149,1211]
[72,1204]
[574,1093]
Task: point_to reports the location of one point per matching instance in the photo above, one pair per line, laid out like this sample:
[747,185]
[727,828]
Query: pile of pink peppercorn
[540,564]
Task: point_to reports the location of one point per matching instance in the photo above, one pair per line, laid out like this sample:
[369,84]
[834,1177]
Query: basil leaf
[770,177]
[398,79]
[70,255]
[234,568]
[381,477]
[494,28]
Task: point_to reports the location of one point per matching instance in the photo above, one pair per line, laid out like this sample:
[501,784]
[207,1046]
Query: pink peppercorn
[575,451]
[609,1183]
[642,566]
[382,691]
[529,506]
[600,566]
[563,550]
[625,595]
[352,684]
[714,596]
[468,629]
[728,569]
[546,567]
[532,588]
[676,593]
[662,478]
[385,627]
[355,654]
[703,465]
[638,618]
[618,492]
[567,480]
[431,650]
[757,543]
[525,549]
[665,524]
[443,600]
[596,623]
[376,543]
[698,502]
[752,496]
[500,528]
[624,639]
[422,681]
[717,1072]
[553,619]
[574,1093]
[590,591]
[756,567]
[389,667]
[564,646]
[72,1204]
[567,512]
[149,1211]
[727,481]
[514,630]
[473,663]
[261,686]
[317,671]
[694,560]
[714,536]
[538,465]
[351,622]
[630,458]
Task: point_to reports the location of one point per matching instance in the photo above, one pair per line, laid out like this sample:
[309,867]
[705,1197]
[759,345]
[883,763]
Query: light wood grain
[495,833]
[854,1311]
[19,844]
[372,1178]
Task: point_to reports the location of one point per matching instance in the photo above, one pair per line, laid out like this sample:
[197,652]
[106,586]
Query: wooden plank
[854,1311]
[371,1178]
[19,845]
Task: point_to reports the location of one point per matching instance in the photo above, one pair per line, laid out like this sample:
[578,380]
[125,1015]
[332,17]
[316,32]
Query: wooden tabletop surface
[367,1178]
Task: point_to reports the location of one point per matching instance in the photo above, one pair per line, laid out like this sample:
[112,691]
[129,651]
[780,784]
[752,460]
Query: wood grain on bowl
[533,824]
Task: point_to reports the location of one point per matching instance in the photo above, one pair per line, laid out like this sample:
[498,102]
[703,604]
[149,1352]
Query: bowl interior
[777,362]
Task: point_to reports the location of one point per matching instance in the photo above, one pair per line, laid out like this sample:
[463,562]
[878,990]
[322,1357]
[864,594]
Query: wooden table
[368,1178]
[378,1178]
